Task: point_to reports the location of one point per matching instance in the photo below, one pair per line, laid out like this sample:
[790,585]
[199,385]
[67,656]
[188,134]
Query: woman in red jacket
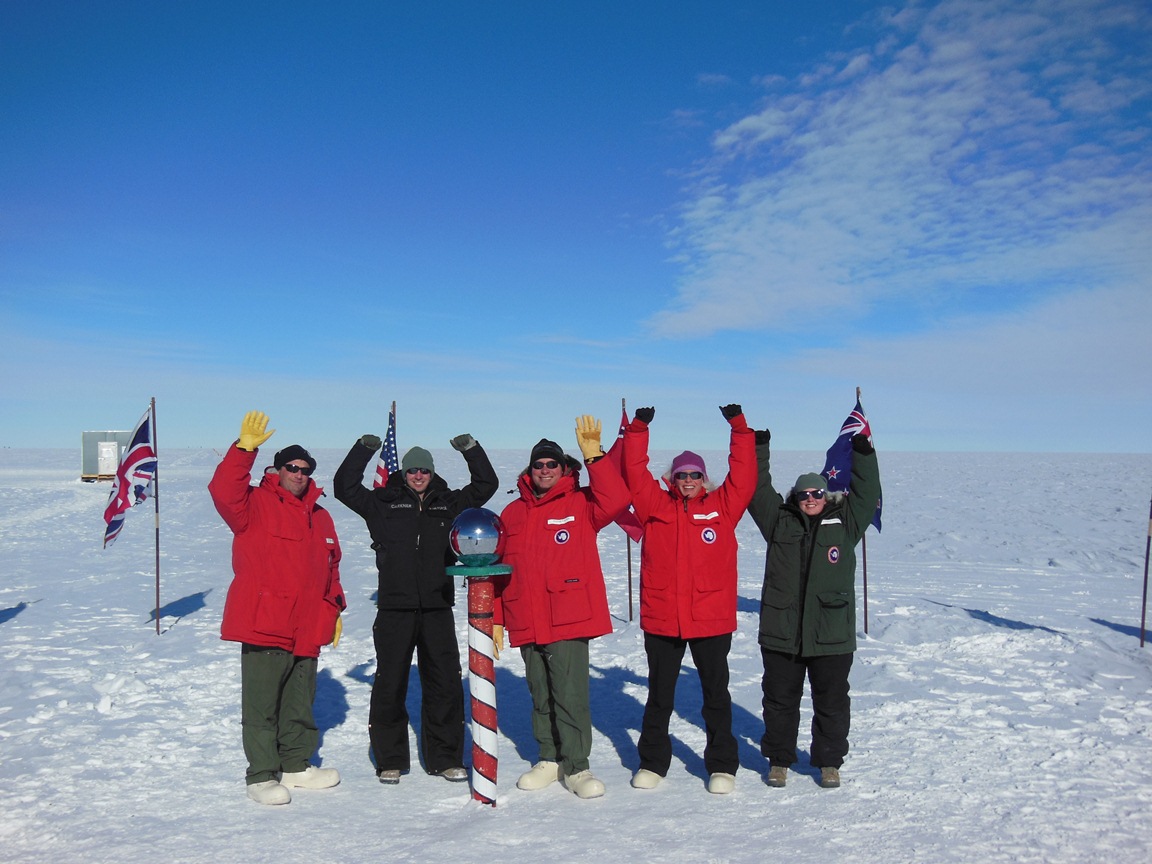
[688,590]
[555,600]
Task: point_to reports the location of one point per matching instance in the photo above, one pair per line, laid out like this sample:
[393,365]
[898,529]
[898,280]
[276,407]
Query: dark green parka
[808,605]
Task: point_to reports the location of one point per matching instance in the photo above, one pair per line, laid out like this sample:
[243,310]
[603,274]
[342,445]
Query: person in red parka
[284,603]
[555,600]
[688,590]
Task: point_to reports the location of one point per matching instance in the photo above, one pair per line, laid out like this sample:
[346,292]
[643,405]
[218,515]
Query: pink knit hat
[689,461]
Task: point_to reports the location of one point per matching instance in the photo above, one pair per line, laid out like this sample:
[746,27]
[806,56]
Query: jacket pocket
[568,601]
[834,621]
[274,614]
[778,614]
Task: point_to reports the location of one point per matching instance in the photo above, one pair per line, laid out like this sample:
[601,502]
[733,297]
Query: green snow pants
[557,676]
[276,694]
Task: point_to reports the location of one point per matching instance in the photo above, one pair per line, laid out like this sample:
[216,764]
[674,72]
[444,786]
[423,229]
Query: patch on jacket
[833,554]
[835,520]
[715,514]
[562,536]
[402,505]
[331,541]
[708,535]
[563,521]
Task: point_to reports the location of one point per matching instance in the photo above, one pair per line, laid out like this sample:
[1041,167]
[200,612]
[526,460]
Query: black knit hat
[290,454]
[546,449]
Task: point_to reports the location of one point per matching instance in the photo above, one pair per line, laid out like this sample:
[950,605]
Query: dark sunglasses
[550,464]
[418,471]
[687,475]
[805,494]
[296,469]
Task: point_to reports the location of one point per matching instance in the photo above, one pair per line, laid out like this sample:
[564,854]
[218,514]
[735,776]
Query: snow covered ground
[1002,705]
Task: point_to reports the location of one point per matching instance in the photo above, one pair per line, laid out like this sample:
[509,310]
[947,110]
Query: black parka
[410,535]
[808,604]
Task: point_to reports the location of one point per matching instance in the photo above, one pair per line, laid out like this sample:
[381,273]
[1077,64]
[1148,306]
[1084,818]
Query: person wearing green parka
[808,606]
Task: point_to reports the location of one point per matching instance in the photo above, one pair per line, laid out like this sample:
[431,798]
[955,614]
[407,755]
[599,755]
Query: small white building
[100,454]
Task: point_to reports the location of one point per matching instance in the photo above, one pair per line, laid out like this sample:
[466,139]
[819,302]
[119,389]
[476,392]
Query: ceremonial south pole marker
[477,538]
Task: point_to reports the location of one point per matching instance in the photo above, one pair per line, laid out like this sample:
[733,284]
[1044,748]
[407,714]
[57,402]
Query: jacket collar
[568,483]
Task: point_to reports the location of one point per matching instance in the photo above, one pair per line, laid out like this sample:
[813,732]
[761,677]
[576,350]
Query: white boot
[269,792]
[543,773]
[311,778]
[584,785]
[645,779]
[721,784]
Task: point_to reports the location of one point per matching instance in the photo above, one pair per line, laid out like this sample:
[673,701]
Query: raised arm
[644,487]
[740,484]
[484,481]
[766,501]
[864,488]
[348,483]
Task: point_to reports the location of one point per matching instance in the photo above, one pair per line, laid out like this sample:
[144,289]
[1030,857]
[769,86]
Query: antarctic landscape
[1002,704]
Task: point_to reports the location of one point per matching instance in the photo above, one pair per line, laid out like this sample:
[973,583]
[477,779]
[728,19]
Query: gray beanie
[811,481]
[418,457]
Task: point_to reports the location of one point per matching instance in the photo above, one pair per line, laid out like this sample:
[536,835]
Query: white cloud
[970,146]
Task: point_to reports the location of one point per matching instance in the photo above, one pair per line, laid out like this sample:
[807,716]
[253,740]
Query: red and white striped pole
[477,537]
[482,686]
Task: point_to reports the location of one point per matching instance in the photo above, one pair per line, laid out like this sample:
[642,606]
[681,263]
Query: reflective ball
[477,537]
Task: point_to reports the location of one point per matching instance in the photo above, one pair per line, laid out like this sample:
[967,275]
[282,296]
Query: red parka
[556,590]
[286,590]
[688,557]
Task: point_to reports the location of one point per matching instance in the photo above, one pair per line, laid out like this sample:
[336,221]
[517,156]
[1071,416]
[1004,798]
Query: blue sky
[504,214]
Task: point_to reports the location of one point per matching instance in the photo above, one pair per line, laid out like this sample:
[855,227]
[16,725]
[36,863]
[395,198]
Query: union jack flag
[134,478]
[388,462]
[838,463]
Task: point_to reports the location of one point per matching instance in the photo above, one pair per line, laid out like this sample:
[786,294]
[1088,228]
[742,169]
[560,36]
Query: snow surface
[1002,706]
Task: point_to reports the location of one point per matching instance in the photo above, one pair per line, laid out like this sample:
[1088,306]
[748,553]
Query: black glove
[463,442]
[861,444]
[731,410]
[645,415]
[372,442]
[763,436]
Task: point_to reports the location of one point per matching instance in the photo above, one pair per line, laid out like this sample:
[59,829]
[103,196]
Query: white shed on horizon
[100,453]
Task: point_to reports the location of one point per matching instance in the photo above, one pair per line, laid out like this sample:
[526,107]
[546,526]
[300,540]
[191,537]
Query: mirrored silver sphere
[477,537]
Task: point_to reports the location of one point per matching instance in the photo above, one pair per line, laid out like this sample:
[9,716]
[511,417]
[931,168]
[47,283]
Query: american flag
[134,478]
[838,463]
[388,462]
[628,519]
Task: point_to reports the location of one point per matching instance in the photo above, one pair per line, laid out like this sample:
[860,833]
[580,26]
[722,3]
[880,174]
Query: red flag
[388,462]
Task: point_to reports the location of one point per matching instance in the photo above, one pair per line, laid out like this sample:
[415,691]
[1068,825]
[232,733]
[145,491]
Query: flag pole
[1144,600]
[864,555]
[627,537]
[156,499]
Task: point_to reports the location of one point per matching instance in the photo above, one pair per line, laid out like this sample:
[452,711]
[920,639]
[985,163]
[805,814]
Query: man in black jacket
[409,519]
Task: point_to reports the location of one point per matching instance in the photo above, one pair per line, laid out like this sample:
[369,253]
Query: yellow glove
[497,640]
[588,437]
[336,633]
[252,433]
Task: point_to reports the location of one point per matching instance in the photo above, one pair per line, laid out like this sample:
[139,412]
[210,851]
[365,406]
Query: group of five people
[285,600]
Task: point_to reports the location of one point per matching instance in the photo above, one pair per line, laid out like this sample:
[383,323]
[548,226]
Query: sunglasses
[550,464]
[805,494]
[421,471]
[687,475]
[296,469]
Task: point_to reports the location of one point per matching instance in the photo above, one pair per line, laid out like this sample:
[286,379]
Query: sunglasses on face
[420,471]
[550,464]
[805,494]
[296,469]
[687,475]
